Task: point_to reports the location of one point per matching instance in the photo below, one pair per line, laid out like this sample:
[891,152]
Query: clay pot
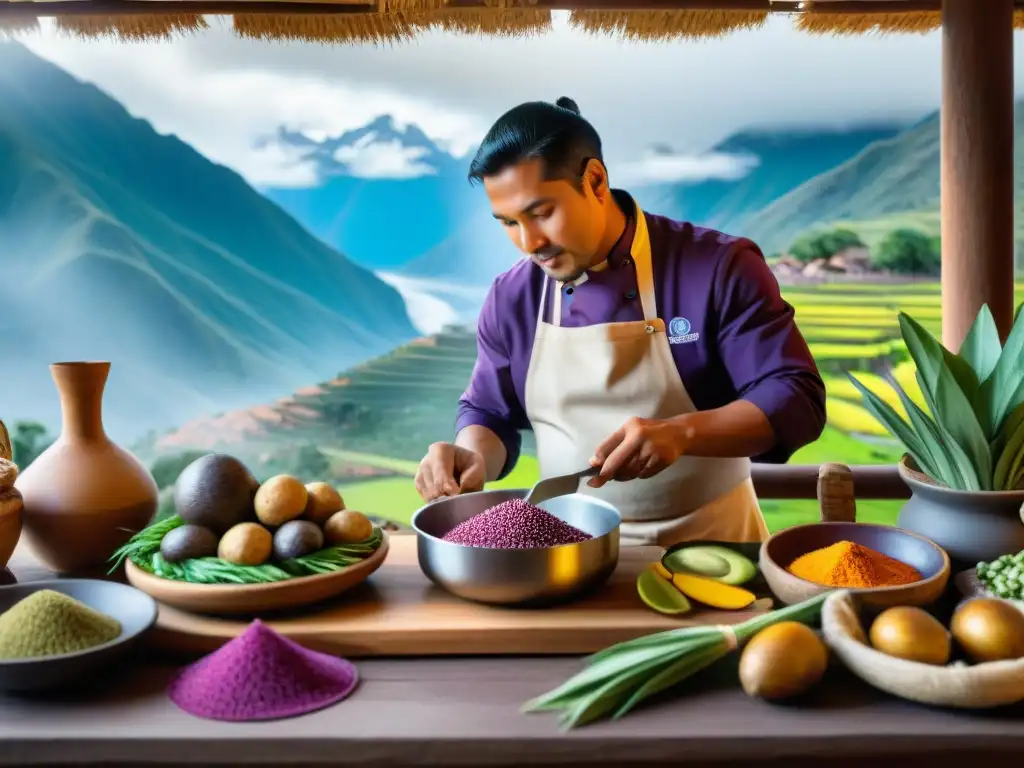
[84,496]
[10,500]
[970,525]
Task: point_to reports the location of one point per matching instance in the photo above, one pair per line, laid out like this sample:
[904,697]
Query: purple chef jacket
[748,345]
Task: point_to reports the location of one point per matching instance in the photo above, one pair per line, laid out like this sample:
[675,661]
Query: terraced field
[385,413]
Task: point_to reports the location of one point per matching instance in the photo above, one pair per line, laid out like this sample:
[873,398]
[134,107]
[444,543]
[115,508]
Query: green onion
[619,678]
[143,549]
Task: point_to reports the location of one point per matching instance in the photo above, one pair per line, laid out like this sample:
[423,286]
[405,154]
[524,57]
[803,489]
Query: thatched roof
[387,21]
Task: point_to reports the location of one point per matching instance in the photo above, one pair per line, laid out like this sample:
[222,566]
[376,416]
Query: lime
[659,594]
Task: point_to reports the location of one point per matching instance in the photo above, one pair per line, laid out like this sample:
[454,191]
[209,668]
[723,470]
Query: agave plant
[973,437]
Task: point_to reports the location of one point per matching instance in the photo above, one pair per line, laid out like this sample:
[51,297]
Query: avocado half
[712,561]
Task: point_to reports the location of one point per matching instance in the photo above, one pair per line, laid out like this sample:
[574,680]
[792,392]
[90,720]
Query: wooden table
[465,712]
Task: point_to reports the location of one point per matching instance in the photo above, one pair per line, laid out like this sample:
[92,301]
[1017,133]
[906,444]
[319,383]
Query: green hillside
[890,184]
[123,244]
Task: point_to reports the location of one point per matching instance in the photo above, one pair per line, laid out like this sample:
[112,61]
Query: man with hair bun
[656,350]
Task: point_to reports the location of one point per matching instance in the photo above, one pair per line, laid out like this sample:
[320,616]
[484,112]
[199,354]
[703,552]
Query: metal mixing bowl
[518,576]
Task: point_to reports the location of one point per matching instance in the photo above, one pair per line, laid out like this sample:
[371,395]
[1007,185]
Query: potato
[347,527]
[246,544]
[324,500]
[989,629]
[912,634]
[783,660]
[280,499]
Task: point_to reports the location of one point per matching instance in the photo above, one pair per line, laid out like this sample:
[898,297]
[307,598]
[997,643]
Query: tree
[909,252]
[305,462]
[28,441]
[824,245]
[165,470]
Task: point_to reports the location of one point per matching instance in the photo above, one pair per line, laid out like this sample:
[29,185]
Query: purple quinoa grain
[515,525]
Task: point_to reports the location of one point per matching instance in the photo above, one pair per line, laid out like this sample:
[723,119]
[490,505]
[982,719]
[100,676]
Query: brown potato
[246,544]
[324,500]
[347,527]
[280,499]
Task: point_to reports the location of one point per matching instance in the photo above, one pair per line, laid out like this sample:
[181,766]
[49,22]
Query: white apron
[585,383]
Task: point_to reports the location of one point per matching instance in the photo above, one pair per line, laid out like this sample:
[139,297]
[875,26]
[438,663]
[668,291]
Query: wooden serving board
[399,612]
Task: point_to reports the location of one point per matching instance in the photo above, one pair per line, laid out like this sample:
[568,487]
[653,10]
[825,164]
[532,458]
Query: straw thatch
[400,20]
[135,28]
[14,26]
[666,25]
[916,22]
[843,24]
[397,20]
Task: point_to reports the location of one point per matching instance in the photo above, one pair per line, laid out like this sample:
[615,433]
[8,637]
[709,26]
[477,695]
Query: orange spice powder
[846,564]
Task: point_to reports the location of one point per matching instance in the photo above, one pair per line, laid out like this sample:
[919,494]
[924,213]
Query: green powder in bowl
[49,623]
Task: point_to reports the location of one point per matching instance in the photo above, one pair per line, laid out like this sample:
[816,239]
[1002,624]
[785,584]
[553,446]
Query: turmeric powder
[850,565]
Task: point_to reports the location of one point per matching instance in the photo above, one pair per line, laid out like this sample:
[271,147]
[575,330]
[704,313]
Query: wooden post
[977,165]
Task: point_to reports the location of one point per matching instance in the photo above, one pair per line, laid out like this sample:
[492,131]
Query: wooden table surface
[465,712]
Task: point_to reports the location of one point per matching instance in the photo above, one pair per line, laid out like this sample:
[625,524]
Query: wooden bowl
[780,550]
[241,599]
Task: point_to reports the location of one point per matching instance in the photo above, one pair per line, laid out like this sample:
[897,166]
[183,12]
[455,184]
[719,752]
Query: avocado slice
[719,563]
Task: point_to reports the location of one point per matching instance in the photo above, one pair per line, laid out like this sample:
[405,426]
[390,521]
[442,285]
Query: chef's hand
[448,470]
[639,448]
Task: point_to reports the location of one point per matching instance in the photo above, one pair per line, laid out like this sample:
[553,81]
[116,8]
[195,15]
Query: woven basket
[10,499]
[982,686]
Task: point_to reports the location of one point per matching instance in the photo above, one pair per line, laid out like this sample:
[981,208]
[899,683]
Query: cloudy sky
[225,95]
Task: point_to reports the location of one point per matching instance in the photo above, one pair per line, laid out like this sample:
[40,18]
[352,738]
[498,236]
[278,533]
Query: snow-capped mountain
[395,201]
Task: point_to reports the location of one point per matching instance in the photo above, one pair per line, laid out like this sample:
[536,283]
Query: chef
[658,351]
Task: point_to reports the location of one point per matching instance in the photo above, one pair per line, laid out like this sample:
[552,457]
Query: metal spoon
[561,485]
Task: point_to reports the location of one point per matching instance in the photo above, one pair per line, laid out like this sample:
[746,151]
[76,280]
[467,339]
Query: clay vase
[83,496]
[10,500]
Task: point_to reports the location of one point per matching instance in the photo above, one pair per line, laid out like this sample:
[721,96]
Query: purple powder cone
[261,675]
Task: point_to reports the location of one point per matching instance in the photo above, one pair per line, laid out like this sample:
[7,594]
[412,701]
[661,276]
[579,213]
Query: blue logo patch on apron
[679,331]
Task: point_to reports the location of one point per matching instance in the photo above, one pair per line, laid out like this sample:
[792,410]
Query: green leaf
[943,466]
[981,347]
[1010,460]
[1009,428]
[929,356]
[967,476]
[897,427]
[1003,390]
[954,412]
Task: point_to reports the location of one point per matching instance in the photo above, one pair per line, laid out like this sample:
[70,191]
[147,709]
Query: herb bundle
[143,549]
[619,678]
[973,439]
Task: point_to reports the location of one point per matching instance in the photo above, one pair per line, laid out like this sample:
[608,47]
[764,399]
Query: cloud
[222,93]
[369,158]
[671,168]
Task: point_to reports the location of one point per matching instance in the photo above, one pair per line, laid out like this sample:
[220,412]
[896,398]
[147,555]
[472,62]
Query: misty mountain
[890,183]
[386,194]
[119,243]
[786,159]
[437,228]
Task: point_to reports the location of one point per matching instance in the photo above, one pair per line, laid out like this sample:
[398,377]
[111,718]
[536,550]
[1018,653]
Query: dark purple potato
[215,491]
[297,538]
[188,541]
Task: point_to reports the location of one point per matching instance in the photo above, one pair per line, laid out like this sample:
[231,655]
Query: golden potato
[781,661]
[347,527]
[246,544]
[280,499]
[324,500]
